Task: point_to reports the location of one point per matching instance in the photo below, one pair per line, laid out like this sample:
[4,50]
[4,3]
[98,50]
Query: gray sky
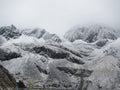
[57,16]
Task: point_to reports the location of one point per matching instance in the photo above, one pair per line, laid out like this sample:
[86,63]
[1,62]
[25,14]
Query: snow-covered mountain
[11,32]
[91,33]
[43,60]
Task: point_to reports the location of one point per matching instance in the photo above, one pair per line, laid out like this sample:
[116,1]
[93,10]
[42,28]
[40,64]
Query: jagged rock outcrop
[9,32]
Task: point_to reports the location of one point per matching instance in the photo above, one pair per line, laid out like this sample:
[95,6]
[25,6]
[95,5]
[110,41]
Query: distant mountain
[91,33]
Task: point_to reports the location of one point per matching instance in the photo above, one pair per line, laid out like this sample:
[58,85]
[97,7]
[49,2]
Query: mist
[58,16]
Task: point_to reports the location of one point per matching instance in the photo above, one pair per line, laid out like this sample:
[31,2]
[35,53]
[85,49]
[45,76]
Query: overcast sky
[57,16]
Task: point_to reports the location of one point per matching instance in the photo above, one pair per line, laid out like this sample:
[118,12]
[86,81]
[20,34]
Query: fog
[57,16]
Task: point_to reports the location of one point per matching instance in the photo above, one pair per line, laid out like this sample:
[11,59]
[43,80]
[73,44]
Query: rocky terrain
[87,59]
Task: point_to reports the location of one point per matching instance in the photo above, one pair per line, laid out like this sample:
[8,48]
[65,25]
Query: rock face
[7,82]
[91,33]
[78,65]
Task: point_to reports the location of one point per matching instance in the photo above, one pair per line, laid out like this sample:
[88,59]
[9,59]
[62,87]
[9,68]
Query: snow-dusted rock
[9,32]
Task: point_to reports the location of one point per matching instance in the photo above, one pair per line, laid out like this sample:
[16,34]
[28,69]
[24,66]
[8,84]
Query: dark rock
[75,60]
[6,80]
[21,85]
[51,53]
[101,43]
[8,55]
[76,72]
